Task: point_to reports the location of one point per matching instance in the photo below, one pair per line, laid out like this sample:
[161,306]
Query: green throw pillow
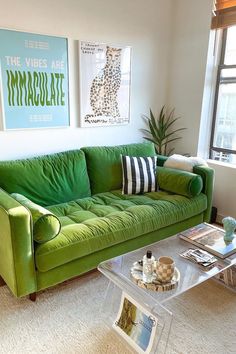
[46,225]
[179,182]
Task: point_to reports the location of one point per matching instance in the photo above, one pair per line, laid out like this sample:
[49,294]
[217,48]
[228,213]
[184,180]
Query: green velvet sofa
[83,189]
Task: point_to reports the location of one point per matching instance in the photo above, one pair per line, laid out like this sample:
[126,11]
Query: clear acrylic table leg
[227,278]
[111,305]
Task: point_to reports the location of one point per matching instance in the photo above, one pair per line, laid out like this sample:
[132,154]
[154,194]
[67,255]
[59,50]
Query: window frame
[220,80]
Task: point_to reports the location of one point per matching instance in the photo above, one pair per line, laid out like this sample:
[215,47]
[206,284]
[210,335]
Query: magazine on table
[211,239]
[200,257]
[136,325]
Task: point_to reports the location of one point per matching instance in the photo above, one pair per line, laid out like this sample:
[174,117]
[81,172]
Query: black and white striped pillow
[139,174]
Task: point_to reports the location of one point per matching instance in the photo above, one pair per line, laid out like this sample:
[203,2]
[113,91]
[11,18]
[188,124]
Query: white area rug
[65,320]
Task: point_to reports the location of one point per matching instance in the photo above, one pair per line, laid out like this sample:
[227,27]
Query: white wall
[225,190]
[188,76]
[187,72]
[144,25]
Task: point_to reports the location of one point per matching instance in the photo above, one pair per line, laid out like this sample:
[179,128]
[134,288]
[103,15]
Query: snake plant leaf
[155,130]
[172,122]
[152,118]
[165,120]
[170,151]
[175,131]
[160,130]
[146,118]
[145,131]
[149,139]
[152,130]
[171,140]
[170,116]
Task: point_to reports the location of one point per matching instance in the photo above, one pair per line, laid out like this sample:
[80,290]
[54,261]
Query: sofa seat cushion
[94,223]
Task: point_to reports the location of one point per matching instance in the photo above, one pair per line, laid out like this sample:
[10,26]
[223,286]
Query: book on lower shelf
[210,238]
[228,277]
[136,325]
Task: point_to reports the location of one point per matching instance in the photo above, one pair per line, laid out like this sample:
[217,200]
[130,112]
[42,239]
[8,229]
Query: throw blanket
[183,162]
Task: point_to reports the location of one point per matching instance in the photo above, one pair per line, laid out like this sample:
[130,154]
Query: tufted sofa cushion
[106,219]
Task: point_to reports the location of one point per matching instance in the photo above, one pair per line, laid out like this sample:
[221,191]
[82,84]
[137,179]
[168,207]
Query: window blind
[224,4]
[224,14]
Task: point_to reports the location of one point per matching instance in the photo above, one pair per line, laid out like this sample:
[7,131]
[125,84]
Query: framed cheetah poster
[104,84]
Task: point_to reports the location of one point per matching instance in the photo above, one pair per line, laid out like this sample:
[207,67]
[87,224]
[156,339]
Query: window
[223,135]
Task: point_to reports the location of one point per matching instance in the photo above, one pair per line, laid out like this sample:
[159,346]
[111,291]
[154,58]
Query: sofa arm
[207,175]
[16,246]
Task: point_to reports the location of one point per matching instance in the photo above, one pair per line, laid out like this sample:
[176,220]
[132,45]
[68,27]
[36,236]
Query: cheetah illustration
[105,86]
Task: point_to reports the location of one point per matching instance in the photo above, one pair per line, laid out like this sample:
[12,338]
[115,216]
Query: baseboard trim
[219,218]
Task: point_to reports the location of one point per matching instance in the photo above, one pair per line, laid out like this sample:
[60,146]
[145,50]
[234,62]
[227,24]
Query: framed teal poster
[34,80]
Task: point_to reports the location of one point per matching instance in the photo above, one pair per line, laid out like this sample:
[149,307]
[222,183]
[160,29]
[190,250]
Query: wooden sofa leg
[33,296]
[2,281]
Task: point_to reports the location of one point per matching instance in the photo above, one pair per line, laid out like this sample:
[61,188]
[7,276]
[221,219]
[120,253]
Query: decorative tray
[155,285]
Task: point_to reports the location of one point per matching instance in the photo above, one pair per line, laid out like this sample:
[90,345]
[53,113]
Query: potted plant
[160,130]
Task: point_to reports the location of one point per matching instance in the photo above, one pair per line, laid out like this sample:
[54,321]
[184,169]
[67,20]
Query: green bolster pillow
[179,182]
[46,225]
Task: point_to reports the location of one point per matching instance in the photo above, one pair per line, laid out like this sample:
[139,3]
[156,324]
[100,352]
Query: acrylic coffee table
[117,270]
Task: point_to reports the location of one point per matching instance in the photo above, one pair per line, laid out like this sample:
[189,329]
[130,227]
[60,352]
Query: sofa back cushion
[104,164]
[49,179]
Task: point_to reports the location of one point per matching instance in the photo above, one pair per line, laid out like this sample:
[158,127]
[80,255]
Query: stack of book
[211,239]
